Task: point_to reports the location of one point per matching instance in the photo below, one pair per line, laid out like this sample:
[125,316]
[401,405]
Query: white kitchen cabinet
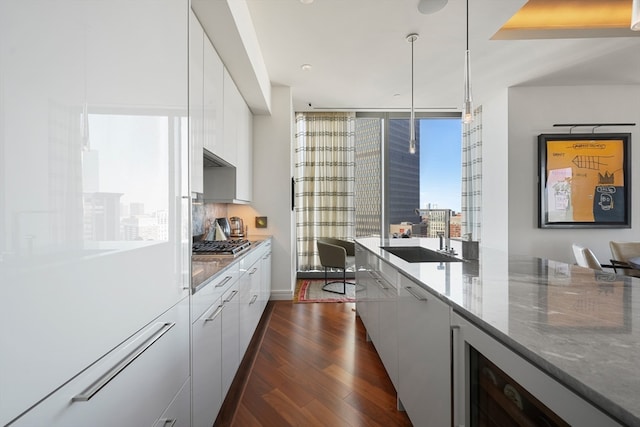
[230,346]
[387,345]
[265,281]
[94,125]
[232,101]
[233,184]
[130,386]
[213,101]
[364,282]
[178,414]
[207,365]
[244,161]
[209,293]
[251,274]
[424,355]
[196,102]
[377,299]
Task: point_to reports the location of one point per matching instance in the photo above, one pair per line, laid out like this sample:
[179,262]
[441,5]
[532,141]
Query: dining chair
[621,252]
[336,253]
[586,258]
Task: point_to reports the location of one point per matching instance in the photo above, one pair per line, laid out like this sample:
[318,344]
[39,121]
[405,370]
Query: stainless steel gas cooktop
[221,247]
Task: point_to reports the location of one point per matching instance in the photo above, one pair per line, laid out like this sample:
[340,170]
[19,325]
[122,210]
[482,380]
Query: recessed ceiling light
[427,7]
[305,67]
[306,1]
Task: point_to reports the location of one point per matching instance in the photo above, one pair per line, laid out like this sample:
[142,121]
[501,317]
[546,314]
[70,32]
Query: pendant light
[411,38]
[635,15]
[467,106]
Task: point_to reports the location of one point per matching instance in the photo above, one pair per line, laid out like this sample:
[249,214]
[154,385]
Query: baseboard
[281,295]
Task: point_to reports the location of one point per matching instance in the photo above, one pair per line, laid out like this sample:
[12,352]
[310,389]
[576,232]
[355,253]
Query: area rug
[310,290]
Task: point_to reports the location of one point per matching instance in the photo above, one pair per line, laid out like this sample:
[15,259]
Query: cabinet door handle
[233,294]
[267,256]
[166,422]
[253,299]
[224,282]
[382,286]
[415,294]
[254,270]
[215,314]
[97,385]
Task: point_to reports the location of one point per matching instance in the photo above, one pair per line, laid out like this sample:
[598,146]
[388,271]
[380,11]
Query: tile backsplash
[201,212]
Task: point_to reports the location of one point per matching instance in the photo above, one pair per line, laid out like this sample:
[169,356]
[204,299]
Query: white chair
[585,257]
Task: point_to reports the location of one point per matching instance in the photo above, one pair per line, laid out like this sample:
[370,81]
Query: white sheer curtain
[472,176]
[324,193]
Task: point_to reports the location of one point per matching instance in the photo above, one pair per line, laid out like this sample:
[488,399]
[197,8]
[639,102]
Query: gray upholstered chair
[336,253]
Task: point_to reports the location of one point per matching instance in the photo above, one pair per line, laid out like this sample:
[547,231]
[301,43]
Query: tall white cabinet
[93,137]
[196,102]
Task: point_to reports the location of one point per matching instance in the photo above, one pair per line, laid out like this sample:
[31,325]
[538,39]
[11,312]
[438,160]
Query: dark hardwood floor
[310,365]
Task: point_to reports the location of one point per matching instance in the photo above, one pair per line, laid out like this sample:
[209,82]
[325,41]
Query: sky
[440,163]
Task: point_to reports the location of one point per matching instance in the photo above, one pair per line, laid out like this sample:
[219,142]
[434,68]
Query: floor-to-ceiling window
[419,194]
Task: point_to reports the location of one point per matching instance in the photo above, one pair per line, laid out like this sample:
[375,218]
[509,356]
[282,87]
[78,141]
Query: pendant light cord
[467,24]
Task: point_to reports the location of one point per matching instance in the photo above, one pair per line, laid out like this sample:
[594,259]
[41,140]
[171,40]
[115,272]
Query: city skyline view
[440,163]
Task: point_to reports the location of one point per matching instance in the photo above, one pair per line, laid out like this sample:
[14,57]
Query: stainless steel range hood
[219,180]
[213,161]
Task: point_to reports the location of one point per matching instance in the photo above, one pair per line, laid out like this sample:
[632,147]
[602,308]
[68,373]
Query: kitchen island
[575,325]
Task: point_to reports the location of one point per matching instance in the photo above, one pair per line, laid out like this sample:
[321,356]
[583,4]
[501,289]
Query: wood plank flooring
[311,366]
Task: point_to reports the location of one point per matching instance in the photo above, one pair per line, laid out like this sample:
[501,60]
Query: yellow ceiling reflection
[569,19]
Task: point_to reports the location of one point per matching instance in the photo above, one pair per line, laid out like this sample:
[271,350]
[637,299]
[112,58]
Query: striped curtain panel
[472,177]
[324,176]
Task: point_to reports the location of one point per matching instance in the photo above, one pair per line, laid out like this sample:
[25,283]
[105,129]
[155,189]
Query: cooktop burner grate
[220,247]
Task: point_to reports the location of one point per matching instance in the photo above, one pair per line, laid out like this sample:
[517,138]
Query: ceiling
[360,58]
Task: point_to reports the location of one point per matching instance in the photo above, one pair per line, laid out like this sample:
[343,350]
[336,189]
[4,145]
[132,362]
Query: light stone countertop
[204,269]
[580,326]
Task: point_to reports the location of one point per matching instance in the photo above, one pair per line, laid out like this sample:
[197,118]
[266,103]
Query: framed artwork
[584,180]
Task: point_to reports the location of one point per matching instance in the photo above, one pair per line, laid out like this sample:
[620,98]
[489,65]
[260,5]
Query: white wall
[534,110]
[272,154]
[495,213]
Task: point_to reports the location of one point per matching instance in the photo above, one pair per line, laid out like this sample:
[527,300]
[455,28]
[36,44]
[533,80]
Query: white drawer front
[130,386]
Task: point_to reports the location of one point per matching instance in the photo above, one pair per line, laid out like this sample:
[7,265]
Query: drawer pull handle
[381,284]
[254,270]
[233,294]
[166,422]
[415,294]
[215,314]
[224,282]
[97,385]
[253,299]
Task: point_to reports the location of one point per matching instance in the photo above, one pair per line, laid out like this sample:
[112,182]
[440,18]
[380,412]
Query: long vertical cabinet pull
[97,385]
[457,377]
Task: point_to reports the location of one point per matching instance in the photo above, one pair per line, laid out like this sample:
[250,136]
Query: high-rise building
[403,174]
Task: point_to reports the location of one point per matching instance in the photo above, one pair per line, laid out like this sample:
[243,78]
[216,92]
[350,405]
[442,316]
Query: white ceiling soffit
[228,25]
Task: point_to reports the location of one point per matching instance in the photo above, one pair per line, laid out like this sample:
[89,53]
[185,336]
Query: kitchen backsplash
[201,212]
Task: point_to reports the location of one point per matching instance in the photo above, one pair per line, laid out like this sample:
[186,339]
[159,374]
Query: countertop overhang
[578,325]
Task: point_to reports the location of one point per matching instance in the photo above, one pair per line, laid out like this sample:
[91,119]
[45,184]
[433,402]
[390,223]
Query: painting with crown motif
[584,180]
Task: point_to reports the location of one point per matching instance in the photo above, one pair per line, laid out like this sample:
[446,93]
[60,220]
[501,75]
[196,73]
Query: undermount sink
[419,254]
